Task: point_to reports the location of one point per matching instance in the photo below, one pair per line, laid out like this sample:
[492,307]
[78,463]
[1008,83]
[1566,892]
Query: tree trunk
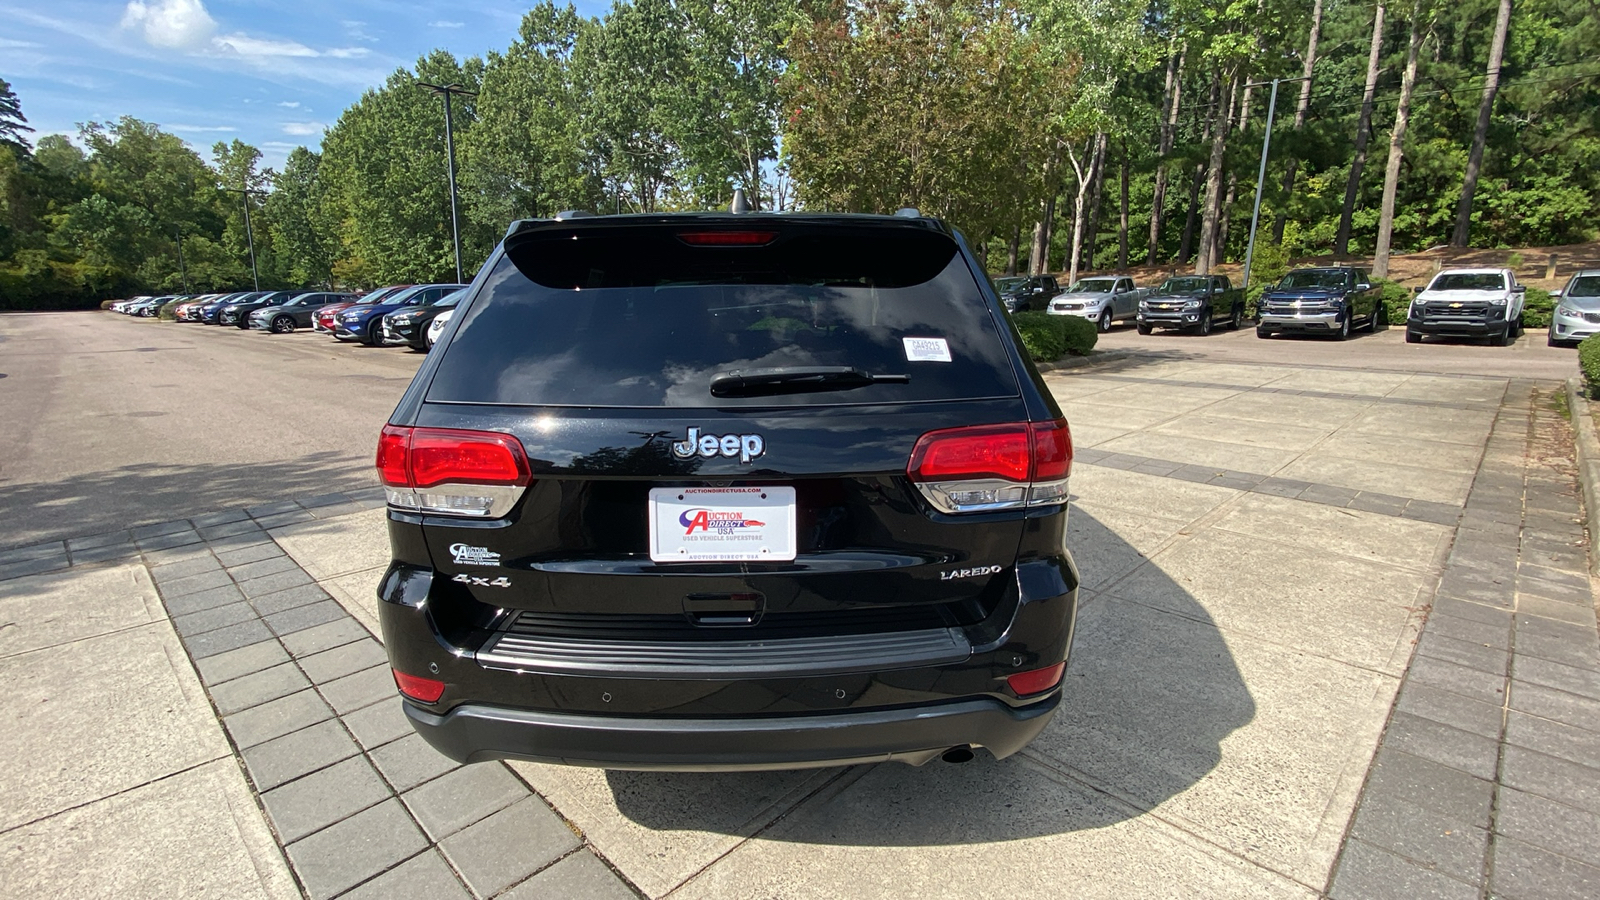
[1011,249]
[1341,240]
[1213,205]
[1186,246]
[1082,188]
[1041,229]
[1220,246]
[1097,190]
[1397,138]
[1491,85]
[1299,118]
[1169,123]
[1122,223]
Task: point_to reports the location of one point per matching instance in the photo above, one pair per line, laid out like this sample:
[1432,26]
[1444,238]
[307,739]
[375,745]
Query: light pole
[1261,174]
[249,236]
[183,270]
[446,91]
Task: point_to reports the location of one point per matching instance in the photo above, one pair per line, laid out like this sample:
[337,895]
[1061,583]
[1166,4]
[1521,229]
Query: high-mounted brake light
[992,467]
[452,472]
[428,690]
[727,238]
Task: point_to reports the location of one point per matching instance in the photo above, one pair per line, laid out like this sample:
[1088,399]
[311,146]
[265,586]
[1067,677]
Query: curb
[1587,442]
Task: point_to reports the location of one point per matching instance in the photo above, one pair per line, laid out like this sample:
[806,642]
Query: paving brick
[1565,650]
[277,718]
[341,661]
[363,688]
[308,616]
[278,581]
[225,667]
[1474,754]
[278,601]
[1403,778]
[293,517]
[298,753]
[1529,605]
[423,877]
[167,573]
[243,526]
[1482,633]
[222,640]
[168,541]
[262,568]
[1559,706]
[1429,511]
[336,510]
[344,855]
[378,724]
[158,558]
[1478,587]
[410,761]
[1451,709]
[209,599]
[1476,612]
[1525,872]
[212,619]
[455,800]
[1367,872]
[508,846]
[1387,504]
[324,637]
[1548,776]
[1582,681]
[1487,687]
[258,688]
[272,509]
[104,554]
[322,798]
[1328,495]
[1538,587]
[1438,842]
[194,584]
[219,518]
[581,876]
[1553,826]
[161,528]
[34,567]
[106,539]
[253,553]
[322,500]
[237,541]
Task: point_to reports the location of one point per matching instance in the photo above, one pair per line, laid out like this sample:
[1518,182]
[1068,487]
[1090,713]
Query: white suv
[1483,303]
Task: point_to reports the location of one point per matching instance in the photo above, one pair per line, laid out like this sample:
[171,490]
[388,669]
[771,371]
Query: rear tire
[1380,318]
[1238,317]
[283,325]
[1412,337]
[1105,321]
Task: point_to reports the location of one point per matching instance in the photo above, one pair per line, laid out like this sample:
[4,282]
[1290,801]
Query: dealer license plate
[728,524]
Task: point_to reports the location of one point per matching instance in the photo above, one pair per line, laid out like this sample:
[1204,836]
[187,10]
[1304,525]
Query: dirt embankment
[1541,267]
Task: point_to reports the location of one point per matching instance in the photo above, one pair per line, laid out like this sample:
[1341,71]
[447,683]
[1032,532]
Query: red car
[323,320]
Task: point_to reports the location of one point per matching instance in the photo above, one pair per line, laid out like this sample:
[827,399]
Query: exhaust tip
[957,755]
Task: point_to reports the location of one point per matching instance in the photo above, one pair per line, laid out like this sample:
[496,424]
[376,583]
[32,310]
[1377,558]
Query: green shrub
[1049,337]
[1537,307]
[1396,299]
[106,304]
[169,310]
[1589,361]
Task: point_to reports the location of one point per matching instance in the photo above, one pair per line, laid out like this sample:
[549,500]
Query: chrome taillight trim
[469,501]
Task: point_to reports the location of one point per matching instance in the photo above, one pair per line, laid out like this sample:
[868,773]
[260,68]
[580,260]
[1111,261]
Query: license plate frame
[722,524]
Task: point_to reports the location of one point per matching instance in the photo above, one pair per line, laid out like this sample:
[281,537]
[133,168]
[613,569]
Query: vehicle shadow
[1149,697]
[130,496]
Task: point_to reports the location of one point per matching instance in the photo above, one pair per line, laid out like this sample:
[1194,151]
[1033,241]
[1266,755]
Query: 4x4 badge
[744,446]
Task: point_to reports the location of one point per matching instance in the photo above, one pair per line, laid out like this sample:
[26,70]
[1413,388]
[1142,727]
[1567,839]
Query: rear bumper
[915,735]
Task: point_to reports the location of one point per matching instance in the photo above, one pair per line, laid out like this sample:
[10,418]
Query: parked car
[189,311]
[436,327]
[1577,314]
[722,491]
[147,308]
[1484,303]
[211,313]
[364,321]
[1024,292]
[1102,300]
[1326,301]
[296,312]
[1192,303]
[238,312]
[121,306]
[409,324]
[323,320]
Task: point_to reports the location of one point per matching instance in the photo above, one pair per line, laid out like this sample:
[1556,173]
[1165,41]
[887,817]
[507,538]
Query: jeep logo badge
[745,446]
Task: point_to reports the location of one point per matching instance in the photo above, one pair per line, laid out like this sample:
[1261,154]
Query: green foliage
[169,310]
[1396,300]
[1048,338]
[1537,307]
[1589,362]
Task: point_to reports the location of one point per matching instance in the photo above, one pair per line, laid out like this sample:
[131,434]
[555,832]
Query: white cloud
[201,128]
[171,24]
[443,24]
[358,30]
[347,52]
[11,44]
[289,104]
[302,129]
[257,48]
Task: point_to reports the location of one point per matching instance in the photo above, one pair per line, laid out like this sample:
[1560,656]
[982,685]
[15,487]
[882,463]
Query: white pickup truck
[1102,299]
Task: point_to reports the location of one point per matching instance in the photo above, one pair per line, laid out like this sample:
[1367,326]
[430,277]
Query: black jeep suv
[728,491]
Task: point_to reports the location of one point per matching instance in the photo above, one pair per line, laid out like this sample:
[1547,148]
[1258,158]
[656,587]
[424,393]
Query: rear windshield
[636,317]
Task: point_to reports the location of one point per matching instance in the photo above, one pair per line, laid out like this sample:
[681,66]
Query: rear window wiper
[796,380]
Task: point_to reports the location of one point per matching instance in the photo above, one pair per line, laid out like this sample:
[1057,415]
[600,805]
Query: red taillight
[985,451]
[1034,682]
[727,238]
[428,690]
[1052,450]
[427,457]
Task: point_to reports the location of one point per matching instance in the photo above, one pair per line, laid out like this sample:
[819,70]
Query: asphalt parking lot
[1338,640]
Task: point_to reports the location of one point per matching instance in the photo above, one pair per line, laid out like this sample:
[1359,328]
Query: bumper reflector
[1034,682]
[427,690]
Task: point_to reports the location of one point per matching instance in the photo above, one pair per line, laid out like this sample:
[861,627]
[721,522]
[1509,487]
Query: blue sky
[271,74]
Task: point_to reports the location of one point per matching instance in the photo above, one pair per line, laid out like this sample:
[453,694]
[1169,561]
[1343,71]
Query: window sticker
[927,349]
